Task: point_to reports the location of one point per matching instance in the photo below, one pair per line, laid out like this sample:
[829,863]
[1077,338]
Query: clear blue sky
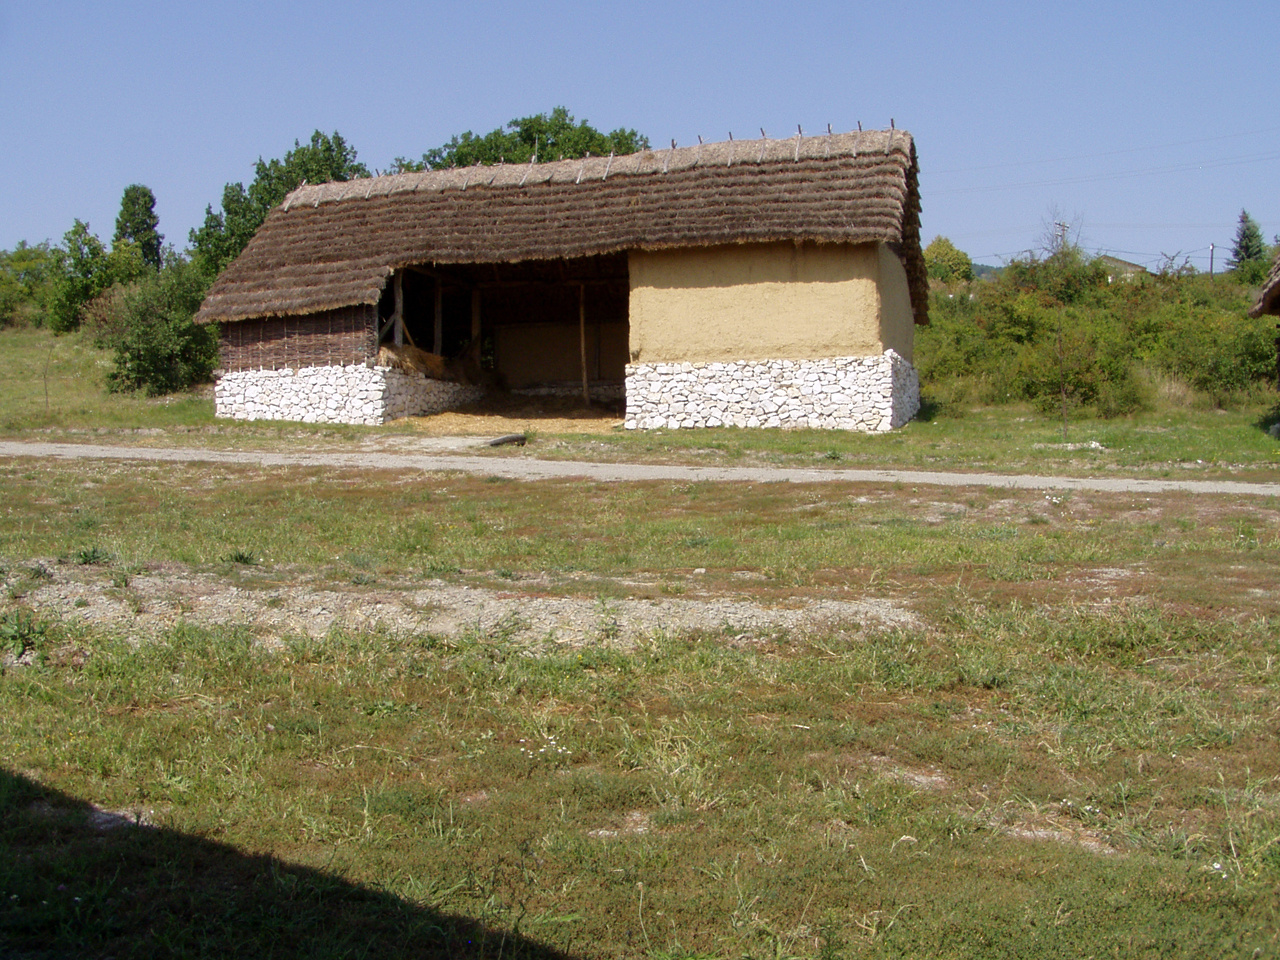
[1146,125]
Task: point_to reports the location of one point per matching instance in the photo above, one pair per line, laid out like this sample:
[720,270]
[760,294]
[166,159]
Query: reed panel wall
[331,338]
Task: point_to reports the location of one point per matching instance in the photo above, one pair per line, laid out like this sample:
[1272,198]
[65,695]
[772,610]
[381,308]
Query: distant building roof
[1123,267]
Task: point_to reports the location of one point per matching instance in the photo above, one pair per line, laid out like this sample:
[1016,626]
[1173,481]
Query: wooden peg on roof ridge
[699,139]
[859,126]
[763,135]
[607,167]
[799,130]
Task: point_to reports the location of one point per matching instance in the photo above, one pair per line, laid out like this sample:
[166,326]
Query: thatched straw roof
[1269,298]
[335,244]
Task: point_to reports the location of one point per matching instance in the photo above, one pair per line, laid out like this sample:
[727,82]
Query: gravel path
[528,468]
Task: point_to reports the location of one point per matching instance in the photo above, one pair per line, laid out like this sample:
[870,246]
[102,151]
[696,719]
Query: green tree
[149,326]
[228,231]
[1249,251]
[946,262]
[137,223]
[27,275]
[88,269]
[548,136]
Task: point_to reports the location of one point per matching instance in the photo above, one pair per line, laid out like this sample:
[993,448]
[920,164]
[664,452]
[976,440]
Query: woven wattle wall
[332,338]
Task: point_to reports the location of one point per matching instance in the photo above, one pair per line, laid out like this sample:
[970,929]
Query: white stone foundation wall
[352,394]
[870,394]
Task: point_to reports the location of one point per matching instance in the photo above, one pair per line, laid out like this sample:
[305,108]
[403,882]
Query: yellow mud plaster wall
[897,321]
[765,301]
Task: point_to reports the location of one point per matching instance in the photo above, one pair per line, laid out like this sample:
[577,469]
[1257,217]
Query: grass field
[1189,440]
[1067,749]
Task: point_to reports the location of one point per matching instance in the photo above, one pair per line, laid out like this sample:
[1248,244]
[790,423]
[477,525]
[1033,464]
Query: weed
[92,556]
[241,556]
[20,631]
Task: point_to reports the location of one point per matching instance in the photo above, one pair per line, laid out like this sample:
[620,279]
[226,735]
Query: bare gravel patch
[151,602]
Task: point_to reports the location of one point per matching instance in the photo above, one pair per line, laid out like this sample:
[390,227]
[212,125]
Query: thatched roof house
[1269,299]
[800,251]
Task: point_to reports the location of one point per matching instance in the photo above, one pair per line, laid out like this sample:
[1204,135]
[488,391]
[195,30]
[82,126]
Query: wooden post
[438,343]
[398,315]
[582,340]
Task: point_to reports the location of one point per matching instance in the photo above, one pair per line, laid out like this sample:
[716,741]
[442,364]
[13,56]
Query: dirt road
[524,467]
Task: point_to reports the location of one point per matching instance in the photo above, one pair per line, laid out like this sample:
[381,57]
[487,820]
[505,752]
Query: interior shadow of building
[77,882]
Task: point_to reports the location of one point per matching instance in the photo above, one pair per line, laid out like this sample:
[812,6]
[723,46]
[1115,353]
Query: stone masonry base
[870,394]
[352,394]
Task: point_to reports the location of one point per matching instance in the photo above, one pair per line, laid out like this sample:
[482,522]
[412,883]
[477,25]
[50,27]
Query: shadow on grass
[1269,419]
[929,410]
[78,882]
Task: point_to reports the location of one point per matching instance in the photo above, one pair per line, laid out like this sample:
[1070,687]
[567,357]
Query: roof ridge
[865,145]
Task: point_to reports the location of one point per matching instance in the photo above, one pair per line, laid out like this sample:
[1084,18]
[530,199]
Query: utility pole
[1211,263]
[1062,231]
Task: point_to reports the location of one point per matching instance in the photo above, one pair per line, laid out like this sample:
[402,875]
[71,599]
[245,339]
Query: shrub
[1090,366]
[1218,352]
[149,324]
[1000,337]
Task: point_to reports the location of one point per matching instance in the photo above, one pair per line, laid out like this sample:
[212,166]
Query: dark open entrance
[540,326]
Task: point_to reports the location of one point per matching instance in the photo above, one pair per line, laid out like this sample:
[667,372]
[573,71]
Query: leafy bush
[1217,352]
[1087,364]
[149,324]
[1046,327]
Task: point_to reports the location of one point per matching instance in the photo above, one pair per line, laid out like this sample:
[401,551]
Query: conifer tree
[137,223]
[1249,245]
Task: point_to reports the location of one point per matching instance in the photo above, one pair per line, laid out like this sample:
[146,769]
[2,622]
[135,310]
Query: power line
[1102,178]
[1109,153]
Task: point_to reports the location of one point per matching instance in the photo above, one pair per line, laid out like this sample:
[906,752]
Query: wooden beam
[582,341]
[398,315]
[438,342]
[425,271]
[453,281]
